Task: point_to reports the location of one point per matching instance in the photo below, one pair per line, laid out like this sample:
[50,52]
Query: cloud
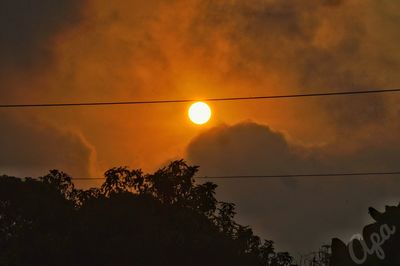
[235,149]
[299,214]
[93,50]
[28,29]
[30,32]
[31,148]
[311,46]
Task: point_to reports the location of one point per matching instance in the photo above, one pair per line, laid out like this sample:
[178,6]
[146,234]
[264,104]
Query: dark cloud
[28,36]
[300,214]
[31,148]
[236,149]
[27,28]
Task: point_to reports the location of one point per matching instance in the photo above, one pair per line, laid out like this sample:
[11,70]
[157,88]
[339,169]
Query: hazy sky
[101,50]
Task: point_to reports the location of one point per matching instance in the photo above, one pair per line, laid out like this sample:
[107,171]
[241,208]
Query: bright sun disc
[199,113]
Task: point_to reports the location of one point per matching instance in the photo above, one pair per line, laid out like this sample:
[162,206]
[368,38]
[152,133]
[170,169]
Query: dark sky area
[101,50]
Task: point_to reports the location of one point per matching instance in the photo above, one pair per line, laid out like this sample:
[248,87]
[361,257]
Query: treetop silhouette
[164,218]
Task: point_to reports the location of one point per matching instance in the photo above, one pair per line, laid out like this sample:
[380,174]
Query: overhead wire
[244,98]
[344,174]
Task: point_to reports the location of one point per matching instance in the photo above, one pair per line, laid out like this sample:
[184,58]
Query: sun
[199,113]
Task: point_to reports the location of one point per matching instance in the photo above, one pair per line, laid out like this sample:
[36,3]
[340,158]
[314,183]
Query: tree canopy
[163,218]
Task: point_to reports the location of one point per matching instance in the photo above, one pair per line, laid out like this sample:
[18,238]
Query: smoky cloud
[315,45]
[234,150]
[300,214]
[27,29]
[31,148]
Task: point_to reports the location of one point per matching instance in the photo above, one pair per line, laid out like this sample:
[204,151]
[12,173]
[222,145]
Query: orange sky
[125,50]
[100,50]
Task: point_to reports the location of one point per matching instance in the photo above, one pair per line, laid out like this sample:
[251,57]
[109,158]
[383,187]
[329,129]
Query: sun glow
[199,113]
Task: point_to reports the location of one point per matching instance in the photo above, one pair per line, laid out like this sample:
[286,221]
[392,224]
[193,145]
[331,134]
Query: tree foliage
[164,218]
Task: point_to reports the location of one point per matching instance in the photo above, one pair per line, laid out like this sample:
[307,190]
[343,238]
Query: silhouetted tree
[318,258]
[164,218]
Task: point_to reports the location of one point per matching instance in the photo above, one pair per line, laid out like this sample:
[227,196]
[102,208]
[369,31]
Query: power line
[299,175]
[266,97]
[279,176]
